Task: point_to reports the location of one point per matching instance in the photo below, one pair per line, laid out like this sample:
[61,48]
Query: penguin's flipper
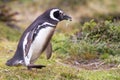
[30,66]
[29,41]
[48,50]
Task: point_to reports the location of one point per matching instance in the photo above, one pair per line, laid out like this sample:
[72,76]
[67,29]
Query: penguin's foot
[30,66]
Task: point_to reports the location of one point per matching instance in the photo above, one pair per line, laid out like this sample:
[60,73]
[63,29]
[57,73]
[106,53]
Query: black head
[56,15]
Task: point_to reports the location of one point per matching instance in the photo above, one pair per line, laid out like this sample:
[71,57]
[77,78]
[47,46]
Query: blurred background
[87,48]
[93,34]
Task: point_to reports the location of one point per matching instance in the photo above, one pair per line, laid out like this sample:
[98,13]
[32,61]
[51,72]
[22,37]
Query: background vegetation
[88,48]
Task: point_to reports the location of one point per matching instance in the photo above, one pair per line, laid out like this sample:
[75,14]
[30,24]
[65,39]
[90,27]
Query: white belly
[37,45]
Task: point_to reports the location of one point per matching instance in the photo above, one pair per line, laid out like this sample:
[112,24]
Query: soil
[95,64]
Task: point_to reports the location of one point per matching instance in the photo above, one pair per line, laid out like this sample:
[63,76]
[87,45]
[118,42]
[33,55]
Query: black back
[45,17]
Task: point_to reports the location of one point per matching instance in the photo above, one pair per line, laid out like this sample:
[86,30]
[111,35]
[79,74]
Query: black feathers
[56,14]
[36,38]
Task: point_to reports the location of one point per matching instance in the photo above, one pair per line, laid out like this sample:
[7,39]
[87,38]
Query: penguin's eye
[56,14]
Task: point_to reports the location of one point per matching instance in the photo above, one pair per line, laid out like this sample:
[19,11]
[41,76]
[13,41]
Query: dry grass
[53,71]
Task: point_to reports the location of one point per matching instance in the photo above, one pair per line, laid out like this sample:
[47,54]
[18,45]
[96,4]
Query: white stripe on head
[51,14]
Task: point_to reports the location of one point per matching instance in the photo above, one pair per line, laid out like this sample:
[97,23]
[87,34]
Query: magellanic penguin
[36,38]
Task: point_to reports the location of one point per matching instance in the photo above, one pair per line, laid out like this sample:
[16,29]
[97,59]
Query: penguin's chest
[40,42]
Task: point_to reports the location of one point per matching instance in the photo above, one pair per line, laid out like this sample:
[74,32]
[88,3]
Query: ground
[61,66]
[55,69]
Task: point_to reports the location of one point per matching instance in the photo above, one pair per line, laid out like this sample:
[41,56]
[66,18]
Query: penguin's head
[56,14]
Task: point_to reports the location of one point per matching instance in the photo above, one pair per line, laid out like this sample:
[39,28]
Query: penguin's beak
[66,17]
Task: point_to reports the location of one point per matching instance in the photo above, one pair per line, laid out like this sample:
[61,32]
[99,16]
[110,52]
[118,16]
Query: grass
[63,47]
[7,33]
[53,71]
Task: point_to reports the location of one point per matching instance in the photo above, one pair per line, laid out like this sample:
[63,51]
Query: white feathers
[25,42]
[46,23]
[26,59]
[52,16]
[40,41]
[37,45]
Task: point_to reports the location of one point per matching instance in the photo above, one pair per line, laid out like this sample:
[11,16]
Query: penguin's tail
[14,62]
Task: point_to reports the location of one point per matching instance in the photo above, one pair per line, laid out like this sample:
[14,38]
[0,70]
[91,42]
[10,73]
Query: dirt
[95,64]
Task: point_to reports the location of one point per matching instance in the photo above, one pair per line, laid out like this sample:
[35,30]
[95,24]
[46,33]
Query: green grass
[7,33]
[62,48]
[53,71]
[86,46]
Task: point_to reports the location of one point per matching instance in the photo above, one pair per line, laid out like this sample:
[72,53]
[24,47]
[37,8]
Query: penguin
[36,39]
